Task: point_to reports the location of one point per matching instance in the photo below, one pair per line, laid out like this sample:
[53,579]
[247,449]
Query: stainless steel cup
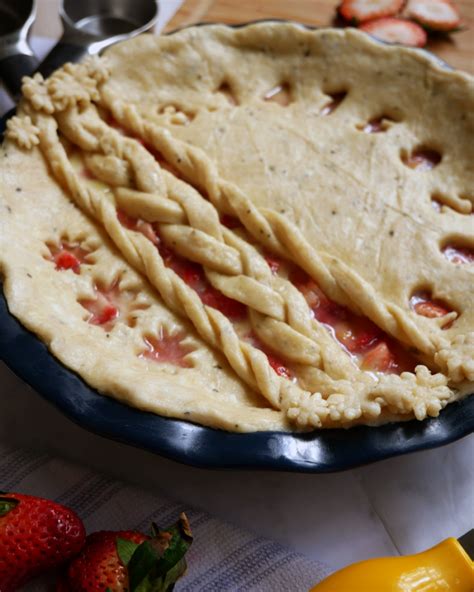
[91,25]
[16,57]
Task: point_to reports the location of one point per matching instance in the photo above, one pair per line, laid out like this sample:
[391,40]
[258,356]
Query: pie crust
[254,229]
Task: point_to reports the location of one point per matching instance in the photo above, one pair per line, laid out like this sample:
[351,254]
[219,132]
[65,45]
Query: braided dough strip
[277,233]
[231,264]
[248,362]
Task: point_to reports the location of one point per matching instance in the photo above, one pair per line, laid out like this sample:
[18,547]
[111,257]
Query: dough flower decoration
[457,358]
[21,130]
[72,85]
[36,92]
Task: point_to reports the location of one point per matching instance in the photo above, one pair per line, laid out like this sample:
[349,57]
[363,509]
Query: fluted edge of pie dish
[315,452]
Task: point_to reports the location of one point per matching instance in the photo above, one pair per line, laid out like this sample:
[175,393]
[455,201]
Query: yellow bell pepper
[443,568]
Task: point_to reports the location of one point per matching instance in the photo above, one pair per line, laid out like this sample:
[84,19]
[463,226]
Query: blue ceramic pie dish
[315,452]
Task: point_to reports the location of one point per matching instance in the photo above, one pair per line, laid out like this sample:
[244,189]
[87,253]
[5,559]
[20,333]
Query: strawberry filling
[422,159]
[424,305]
[368,344]
[67,256]
[101,309]
[275,362]
[459,255]
[166,348]
[274,262]
[192,273]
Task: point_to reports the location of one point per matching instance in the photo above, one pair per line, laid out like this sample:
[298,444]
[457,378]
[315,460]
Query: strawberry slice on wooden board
[360,11]
[436,15]
[36,535]
[129,561]
[396,30]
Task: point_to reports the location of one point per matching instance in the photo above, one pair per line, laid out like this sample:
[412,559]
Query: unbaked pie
[251,228]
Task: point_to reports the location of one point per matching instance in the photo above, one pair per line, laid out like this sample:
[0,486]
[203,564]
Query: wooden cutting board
[457,51]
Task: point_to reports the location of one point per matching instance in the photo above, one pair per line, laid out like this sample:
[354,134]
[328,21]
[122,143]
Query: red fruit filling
[166,348]
[424,305]
[459,255]
[192,273]
[102,310]
[422,159]
[275,362]
[67,256]
[274,262]
[370,346]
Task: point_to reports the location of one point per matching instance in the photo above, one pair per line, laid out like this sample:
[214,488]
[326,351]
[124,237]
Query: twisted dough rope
[275,231]
[349,399]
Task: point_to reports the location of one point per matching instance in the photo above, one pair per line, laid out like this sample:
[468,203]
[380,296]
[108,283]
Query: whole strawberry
[35,535]
[128,561]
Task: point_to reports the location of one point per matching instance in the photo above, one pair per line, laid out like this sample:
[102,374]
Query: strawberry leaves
[156,564]
[7,504]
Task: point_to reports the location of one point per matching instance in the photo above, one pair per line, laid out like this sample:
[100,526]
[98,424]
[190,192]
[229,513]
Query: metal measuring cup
[89,26]
[16,57]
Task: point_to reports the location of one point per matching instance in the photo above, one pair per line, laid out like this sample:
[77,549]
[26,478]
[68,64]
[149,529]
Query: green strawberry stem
[156,564]
[7,504]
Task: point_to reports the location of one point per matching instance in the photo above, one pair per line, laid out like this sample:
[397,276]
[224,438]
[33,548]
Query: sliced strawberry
[359,11]
[395,30]
[438,15]
[379,359]
[358,335]
[459,255]
[166,348]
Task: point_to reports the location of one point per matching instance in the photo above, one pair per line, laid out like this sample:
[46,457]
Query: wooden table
[458,50]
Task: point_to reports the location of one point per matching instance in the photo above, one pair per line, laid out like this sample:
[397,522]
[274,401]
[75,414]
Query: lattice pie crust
[256,228]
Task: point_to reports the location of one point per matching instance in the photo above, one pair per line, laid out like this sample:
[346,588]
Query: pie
[255,228]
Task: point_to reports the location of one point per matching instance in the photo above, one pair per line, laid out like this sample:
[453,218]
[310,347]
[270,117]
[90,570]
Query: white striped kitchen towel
[222,558]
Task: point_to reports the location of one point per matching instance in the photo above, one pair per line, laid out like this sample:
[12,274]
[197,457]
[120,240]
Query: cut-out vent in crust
[335,100]
[458,254]
[112,303]
[164,347]
[422,158]
[68,255]
[280,94]
[425,305]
